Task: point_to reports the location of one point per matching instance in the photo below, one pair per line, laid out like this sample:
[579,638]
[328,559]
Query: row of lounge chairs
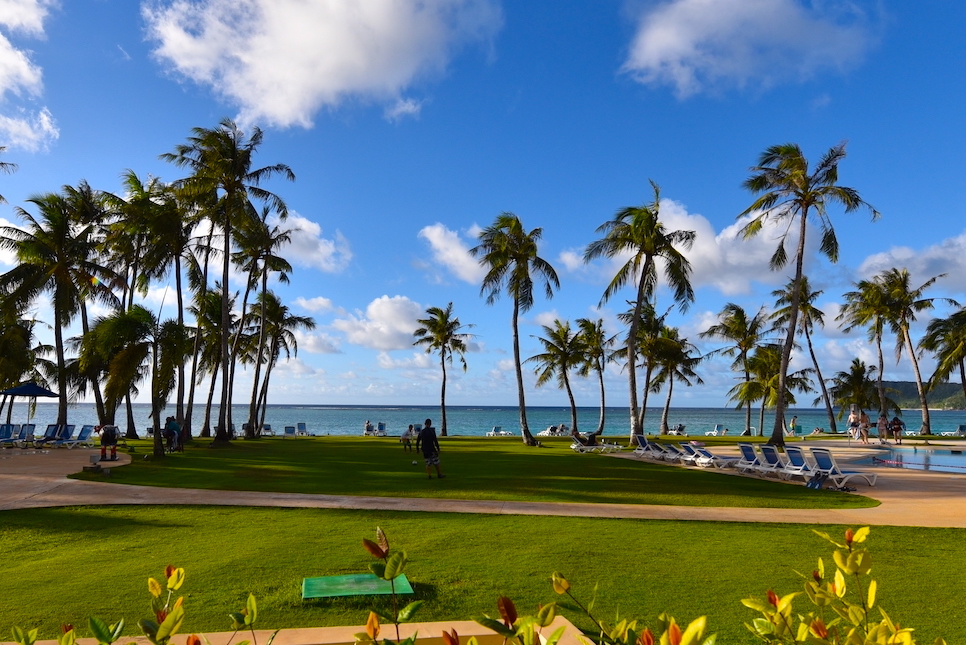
[602,448]
[13,435]
[762,460]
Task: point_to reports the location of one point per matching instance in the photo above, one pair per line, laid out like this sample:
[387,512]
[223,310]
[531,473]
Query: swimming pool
[945,460]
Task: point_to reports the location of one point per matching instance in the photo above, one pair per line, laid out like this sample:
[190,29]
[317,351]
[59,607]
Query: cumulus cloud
[8,257]
[316,304]
[419,360]
[694,45]
[452,252]
[387,324]
[317,343]
[282,60]
[295,366]
[403,108]
[21,81]
[309,249]
[948,256]
[546,318]
[572,260]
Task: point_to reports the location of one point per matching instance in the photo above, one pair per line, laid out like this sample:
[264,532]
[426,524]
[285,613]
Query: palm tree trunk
[761,419]
[667,406]
[182,420]
[573,404]
[747,403]
[221,433]
[197,343]
[61,367]
[95,383]
[636,421]
[926,428]
[878,382]
[206,430]
[524,428]
[645,393]
[778,430]
[132,426]
[442,393]
[603,404]
[253,411]
[962,375]
[821,382]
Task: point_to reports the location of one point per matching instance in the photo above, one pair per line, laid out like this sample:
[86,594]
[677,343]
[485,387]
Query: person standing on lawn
[430,448]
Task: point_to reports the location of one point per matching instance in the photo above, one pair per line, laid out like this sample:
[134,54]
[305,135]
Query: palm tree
[509,254]
[946,338]
[789,195]
[223,181]
[764,365]
[141,347]
[440,333]
[650,326]
[597,354]
[55,254]
[280,326]
[744,335]
[856,387]
[676,361]
[809,316]
[563,351]
[866,306]
[903,302]
[638,231]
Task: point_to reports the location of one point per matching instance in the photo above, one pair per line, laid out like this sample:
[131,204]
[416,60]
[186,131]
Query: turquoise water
[478,420]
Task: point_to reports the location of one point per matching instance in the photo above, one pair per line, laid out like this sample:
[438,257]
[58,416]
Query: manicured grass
[476,468]
[65,564]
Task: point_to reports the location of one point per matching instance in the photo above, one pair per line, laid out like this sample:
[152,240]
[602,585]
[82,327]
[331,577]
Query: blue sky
[410,125]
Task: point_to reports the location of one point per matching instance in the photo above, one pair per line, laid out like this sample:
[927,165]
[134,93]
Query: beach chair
[678,430]
[50,434]
[749,461]
[708,460]
[300,430]
[641,445]
[576,446]
[825,465]
[6,432]
[64,437]
[83,438]
[649,449]
[771,461]
[267,430]
[674,454]
[289,431]
[958,432]
[714,433]
[690,455]
[797,465]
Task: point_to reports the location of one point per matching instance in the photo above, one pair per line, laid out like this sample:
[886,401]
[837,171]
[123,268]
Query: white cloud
[21,80]
[8,257]
[387,324]
[546,318]
[948,256]
[309,249]
[572,260]
[317,343]
[695,45]
[450,251]
[295,366]
[403,108]
[419,360]
[283,60]
[316,304]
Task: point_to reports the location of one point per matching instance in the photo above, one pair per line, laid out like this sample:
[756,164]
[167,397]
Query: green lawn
[67,563]
[476,468]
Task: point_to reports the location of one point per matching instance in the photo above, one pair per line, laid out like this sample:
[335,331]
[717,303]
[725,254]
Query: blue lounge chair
[83,438]
[771,461]
[825,465]
[64,437]
[749,462]
[301,430]
[708,460]
[50,434]
[289,432]
[267,430]
[688,454]
[6,432]
[797,465]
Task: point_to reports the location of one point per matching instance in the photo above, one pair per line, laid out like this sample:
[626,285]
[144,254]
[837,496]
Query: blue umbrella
[29,389]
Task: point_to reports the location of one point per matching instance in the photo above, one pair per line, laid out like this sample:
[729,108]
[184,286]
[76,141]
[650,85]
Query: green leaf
[395,565]
[272,637]
[554,637]
[407,612]
[149,627]
[496,626]
[546,614]
[100,630]
[252,608]
[170,626]
[861,534]
[237,619]
[379,569]
[872,589]
[757,605]
[116,630]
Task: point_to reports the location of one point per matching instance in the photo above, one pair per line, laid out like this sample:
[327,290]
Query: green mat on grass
[357,584]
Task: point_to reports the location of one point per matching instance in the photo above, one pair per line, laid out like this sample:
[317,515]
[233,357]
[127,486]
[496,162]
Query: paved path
[34,479]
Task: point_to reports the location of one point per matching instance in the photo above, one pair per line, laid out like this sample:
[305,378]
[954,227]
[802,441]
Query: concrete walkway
[36,479]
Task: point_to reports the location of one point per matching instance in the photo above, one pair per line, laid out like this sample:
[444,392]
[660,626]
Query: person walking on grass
[430,448]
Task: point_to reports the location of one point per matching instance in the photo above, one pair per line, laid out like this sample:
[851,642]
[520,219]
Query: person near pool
[793,426]
[108,440]
[897,426]
[882,427]
[864,424]
[430,448]
[854,423]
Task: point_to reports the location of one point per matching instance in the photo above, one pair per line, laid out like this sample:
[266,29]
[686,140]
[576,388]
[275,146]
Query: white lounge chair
[83,438]
[825,465]
[301,430]
[959,432]
[706,459]
[289,431]
[771,461]
[797,465]
[749,462]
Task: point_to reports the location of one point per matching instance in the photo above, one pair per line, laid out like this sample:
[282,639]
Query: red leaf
[507,610]
[373,548]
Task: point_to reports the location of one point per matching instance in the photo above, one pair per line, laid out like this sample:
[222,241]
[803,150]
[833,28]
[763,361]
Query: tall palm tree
[223,180]
[597,354]
[946,338]
[789,196]
[637,231]
[744,334]
[55,255]
[867,306]
[650,326]
[904,302]
[563,351]
[509,254]
[676,360]
[809,316]
[441,333]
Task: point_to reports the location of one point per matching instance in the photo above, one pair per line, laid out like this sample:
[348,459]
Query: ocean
[477,420]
